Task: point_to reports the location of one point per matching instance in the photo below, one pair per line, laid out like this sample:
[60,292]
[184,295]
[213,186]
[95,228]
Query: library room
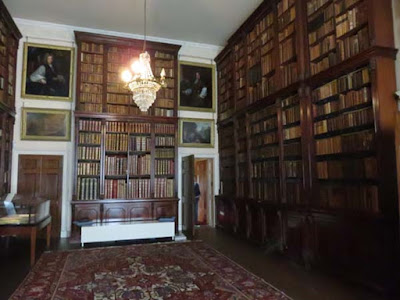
[182,149]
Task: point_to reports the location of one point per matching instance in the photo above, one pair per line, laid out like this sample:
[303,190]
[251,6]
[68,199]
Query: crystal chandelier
[140,80]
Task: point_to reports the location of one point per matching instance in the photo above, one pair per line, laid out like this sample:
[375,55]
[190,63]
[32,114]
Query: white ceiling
[202,21]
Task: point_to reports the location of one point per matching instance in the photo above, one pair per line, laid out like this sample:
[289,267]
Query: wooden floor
[294,280]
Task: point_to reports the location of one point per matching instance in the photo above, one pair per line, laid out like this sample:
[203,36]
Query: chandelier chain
[145,22]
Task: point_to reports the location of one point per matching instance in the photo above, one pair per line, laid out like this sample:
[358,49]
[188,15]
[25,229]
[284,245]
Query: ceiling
[201,21]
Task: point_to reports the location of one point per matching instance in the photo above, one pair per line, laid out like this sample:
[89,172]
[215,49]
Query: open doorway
[204,174]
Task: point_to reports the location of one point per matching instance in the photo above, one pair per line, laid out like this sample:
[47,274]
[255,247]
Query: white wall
[62,35]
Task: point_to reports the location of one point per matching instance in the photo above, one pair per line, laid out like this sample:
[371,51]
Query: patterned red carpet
[180,271]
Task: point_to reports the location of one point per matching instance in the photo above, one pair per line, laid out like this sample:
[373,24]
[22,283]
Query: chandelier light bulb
[137,67]
[126,76]
[162,74]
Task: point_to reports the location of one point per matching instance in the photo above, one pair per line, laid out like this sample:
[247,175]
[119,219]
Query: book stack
[116,165]
[139,188]
[164,167]
[163,188]
[225,87]
[240,74]
[140,164]
[117,142]
[115,189]
[88,188]
[140,143]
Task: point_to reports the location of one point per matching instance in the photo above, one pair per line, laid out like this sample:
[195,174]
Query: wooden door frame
[36,154]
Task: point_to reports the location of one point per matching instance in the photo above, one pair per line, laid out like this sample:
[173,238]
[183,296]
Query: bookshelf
[319,144]
[125,159]
[9,40]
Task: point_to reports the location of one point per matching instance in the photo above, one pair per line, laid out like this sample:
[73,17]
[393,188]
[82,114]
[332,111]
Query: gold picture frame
[202,69]
[188,141]
[39,124]
[43,91]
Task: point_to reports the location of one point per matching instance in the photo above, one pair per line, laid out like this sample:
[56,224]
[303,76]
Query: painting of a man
[196,87]
[47,72]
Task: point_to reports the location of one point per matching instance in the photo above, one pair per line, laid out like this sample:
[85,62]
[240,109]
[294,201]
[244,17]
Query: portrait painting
[46,124]
[196,133]
[47,72]
[196,87]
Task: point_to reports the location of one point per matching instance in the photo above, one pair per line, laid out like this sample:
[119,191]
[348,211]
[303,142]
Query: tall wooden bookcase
[306,124]
[125,167]
[9,41]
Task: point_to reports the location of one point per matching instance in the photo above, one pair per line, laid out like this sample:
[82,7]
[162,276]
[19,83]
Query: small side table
[30,228]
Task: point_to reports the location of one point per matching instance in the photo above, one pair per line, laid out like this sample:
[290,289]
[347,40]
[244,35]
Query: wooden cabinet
[125,159]
[306,124]
[9,40]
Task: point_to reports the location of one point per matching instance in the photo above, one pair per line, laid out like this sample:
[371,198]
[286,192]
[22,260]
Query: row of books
[91,88]
[260,27]
[265,139]
[91,78]
[355,197]
[323,47]
[164,63]
[289,74]
[265,169]
[267,152]
[266,112]
[115,165]
[164,167]
[91,58]
[139,188]
[116,142]
[317,20]
[292,133]
[284,5]
[291,115]
[113,78]
[346,120]
[293,168]
[293,149]
[349,143]
[121,56]
[165,129]
[286,32]
[115,67]
[241,189]
[128,127]
[165,103]
[117,87]
[354,80]
[89,125]
[163,55]
[351,19]
[348,169]
[163,188]
[345,101]
[115,189]
[121,109]
[88,188]
[342,5]
[140,143]
[90,107]
[353,45]
[89,138]
[314,5]
[163,112]
[92,47]
[286,18]
[287,50]
[326,28]
[323,64]
[89,168]
[267,47]
[89,153]
[90,98]
[166,93]
[165,153]
[166,141]
[266,191]
[90,68]
[266,125]
[140,164]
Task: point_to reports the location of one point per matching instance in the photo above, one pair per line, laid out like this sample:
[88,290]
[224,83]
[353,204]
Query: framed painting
[45,124]
[196,87]
[196,133]
[47,72]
